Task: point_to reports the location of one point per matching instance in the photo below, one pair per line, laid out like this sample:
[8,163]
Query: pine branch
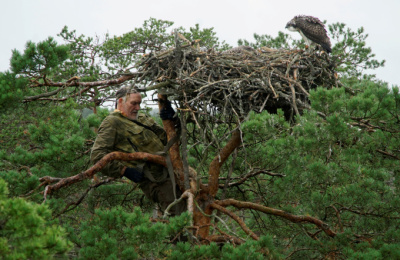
[219,160]
[237,219]
[76,83]
[64,182]
[176,160]
[248,176]
[276,212]
[388,154]
[72,205]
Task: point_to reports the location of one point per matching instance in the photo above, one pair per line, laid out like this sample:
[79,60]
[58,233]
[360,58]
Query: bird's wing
[314,30]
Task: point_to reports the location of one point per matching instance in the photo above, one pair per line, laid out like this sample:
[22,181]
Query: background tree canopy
[320,185]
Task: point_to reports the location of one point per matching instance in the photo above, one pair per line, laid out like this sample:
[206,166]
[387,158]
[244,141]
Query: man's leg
[162,194]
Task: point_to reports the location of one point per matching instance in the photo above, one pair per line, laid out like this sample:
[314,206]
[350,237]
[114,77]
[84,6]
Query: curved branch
[63,182]
[76,83]
[277,212]
[47,94]
[44,95]
[190,202]
[176,160]
[209,192]
[237,219]
[219,160]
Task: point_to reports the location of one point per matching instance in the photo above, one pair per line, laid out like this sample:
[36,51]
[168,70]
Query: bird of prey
[312,30]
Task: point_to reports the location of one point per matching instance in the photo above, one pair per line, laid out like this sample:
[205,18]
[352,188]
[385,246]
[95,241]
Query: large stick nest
[239,80]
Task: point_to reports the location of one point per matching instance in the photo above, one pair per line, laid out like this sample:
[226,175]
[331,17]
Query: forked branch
[219,160]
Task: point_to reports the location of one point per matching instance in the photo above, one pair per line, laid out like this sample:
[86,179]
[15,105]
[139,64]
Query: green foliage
[45,141]
[262,249]
[122,194]
[83,59]
[350,52]
[264,40]
[120,52]
[56,139]
[94,120]
[337,168]
[339,162]
[207,36]
[20,182]
[26,230]
[41,58]
[116,234]
[12,89]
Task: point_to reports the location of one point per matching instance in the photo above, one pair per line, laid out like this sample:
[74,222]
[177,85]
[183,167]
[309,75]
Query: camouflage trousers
[162,194]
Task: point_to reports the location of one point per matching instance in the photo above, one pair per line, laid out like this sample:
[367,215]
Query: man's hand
[134,174]
[167,112]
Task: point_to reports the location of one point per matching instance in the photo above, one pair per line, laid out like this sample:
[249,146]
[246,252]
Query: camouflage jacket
[118,133]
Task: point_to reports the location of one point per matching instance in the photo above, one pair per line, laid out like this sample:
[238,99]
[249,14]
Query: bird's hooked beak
[290,27]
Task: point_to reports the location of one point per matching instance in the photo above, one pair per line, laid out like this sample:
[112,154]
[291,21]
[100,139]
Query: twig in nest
[294,100]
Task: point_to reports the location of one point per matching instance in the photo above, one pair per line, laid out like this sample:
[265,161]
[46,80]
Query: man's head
[128,101]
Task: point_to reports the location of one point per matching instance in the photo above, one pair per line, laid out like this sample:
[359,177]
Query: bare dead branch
[247,176]
[75,83]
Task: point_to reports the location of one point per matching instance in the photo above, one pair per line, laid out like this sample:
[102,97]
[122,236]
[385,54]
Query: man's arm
[103,145]
[160,132]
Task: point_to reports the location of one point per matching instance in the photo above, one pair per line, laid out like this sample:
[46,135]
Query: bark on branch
[219,160]
[276,212]
[237,219]
[176,160]
[207,193]
[76,83]
[248,176]
[60,183]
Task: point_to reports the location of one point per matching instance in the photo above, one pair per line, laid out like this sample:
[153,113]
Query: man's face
[132,105]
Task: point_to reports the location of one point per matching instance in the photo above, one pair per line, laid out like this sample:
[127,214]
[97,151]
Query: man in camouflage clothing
[126,130]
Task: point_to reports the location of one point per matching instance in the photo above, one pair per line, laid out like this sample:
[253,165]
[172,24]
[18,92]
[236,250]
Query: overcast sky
[35,20]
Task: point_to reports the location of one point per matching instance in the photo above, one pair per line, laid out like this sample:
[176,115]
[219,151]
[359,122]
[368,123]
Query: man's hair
[124,92]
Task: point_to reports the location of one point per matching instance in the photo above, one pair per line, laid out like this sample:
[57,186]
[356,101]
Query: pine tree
[27,231]
[323,186]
